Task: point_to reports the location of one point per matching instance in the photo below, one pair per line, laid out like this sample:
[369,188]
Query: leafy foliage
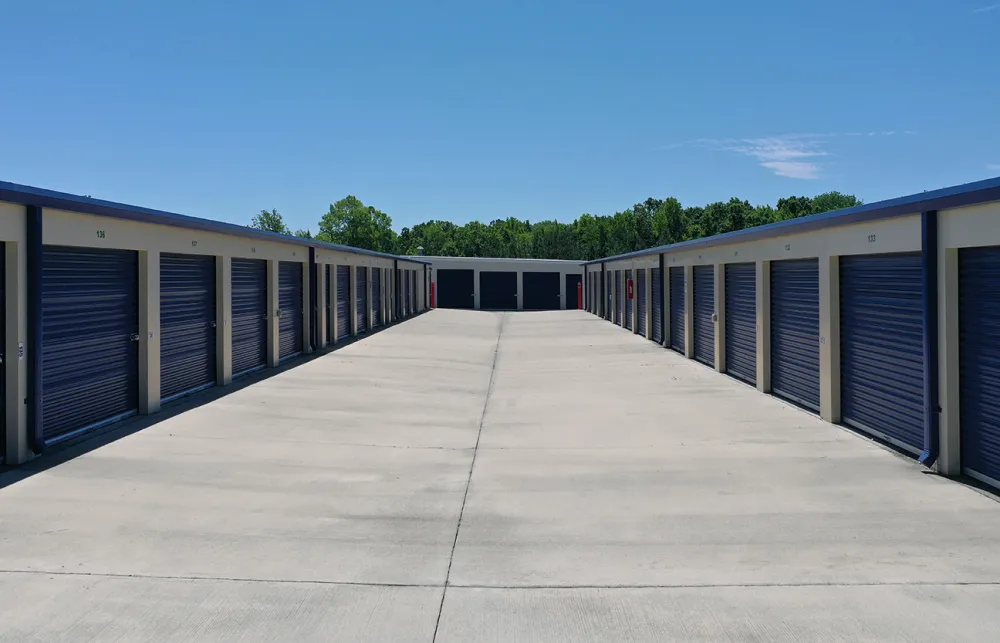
[270,222]
[651,223]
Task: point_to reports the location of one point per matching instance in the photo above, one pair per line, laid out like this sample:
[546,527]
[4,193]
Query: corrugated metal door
[90,338]
[361,296]
[640,293]
[704,308]
[979,359]
[882,347]
[249,283]
[619,298]
[343,301]
[290,308]
[376,297]
[795,331]
[628,302]
[657,288]
[677,313]
[187,324]
[741,321]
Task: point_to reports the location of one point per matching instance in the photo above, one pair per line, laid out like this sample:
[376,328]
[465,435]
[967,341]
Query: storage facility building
[884,317]
[111,310]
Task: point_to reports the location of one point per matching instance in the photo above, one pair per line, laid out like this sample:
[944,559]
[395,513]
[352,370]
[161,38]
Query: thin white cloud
[987,9]
[993,166]
[795,156]
[791,156]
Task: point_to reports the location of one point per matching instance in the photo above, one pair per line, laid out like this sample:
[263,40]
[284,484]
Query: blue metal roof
[27,195]
[945,198]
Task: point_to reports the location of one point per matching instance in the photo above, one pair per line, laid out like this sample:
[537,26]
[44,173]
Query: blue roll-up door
[677,313]
[795,331]
[628,302]
[741,321]
[343,301]
[413,291]
[90,339]
[187,324]
[704,308]
[657,288]
[249,283]
[361,297]
[882,347]
[376,297]
[979,359]
[290,334]
[640,294]
[619,298]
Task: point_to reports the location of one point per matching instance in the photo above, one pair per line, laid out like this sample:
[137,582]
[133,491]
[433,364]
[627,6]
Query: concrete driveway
[471,476]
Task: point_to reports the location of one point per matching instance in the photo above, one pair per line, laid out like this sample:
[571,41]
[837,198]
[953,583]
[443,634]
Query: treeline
[651,223]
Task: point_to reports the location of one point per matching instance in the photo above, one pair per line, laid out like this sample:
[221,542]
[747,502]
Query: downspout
[929,279]
[663,303]
[33,400]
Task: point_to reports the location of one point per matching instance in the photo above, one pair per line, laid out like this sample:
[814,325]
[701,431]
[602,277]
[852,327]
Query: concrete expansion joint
[468,482]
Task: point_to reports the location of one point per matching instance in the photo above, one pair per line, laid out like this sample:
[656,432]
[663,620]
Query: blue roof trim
[27,195]
[943,199]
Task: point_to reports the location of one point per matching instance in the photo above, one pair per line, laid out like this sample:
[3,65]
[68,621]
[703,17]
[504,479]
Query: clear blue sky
[461,109]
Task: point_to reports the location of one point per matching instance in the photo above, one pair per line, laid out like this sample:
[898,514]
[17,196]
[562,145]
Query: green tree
[833,201]
[305,234]
[270,222]
[350,222]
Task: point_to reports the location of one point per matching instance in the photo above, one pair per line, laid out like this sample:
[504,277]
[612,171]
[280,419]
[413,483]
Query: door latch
[134,337]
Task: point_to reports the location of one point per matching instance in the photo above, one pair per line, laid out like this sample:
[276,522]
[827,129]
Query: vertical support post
[273,323]
[353,301]
[520,290]
[719,294]
[149,331]
[929,285]
[17,445]
[475,288]
[829,338]
[34,349]
[562,291]
[224,320]
[689,312]
[322,305]
[665,282]
[308,306]
[763,311]
[949,460]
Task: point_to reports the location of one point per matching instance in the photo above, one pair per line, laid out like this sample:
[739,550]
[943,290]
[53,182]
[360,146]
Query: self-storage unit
[657,292]
[376,297]
[249,291]
[111,310]
[741,321]
[291,313]
[880,317]
[979,360]
[90,339]
[677,309]
[795,331]
[489,283]
[704,313]
[361,298]
[881,347]
[187,324]
[628,302]
[343,302]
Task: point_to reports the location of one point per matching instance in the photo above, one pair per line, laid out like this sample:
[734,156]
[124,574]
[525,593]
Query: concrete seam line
[218,579]
[468,482]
